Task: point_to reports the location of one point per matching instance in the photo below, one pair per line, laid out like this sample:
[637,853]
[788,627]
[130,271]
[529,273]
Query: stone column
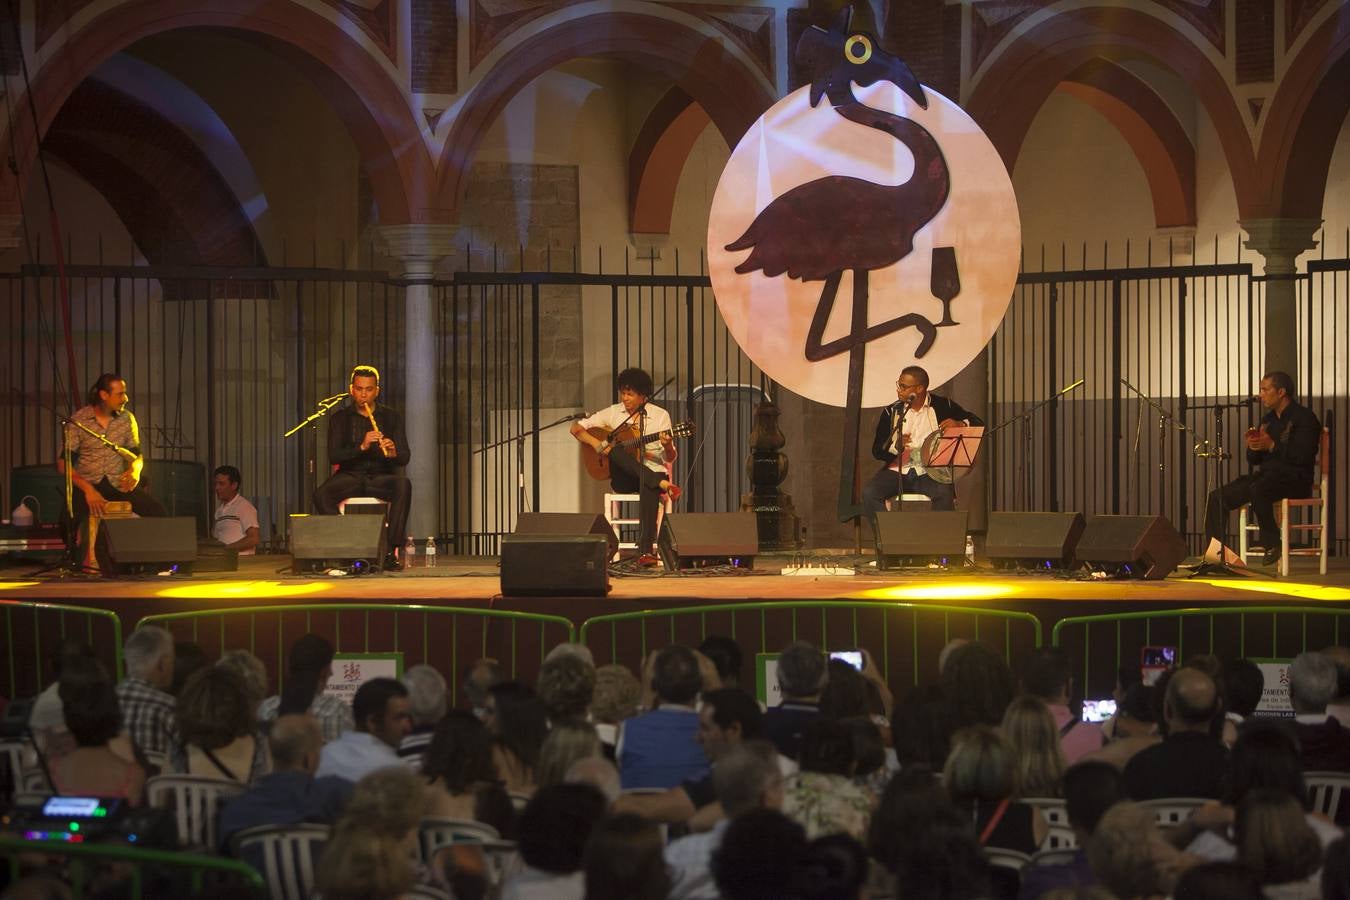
[418,249]
[1280,241]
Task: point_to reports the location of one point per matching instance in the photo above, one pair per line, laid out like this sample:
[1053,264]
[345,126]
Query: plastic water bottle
[409,552]
[970,549]
[431,553]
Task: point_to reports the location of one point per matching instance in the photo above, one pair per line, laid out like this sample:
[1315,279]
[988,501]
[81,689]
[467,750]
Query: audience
[1313,683]
[599,773]
[308,668]
[725,655]
[1129,856]
[1275,841]
[1048,676]
[380,709]
[1090,789]
[147,708]
[369,856]
[479,677]
[426,706]
[1336,871]
[1035,741]
[822,797]
[566,686]
[1242,684]
[568,741]
[981,777]
[1190,761]
[251,669]
[976,687]
[623,861]
[554,829]
[217,729]
[834,868]
[755,859]
[1340,707]
[1218,881]
[617,696]
[93,718]
[657,749]
[516,718]
[461,776]
[1134,727]
[801,678]
[926,846]
[188,659]
[46,719]
[290,794]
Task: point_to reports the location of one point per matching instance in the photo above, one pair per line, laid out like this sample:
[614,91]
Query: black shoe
[1271,556]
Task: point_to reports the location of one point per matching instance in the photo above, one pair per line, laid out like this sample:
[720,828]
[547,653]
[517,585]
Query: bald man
[1191,761]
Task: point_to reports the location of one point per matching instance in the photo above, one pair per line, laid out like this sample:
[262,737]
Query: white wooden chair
[284,854]
[1170,811]
[1326,790]
[196,803]
[618,517]
[1313,519]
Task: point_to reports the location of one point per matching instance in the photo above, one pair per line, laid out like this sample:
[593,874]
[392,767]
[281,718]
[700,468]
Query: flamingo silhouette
[820,229]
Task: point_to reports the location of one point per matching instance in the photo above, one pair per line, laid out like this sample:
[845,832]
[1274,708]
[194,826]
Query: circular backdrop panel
[793,144]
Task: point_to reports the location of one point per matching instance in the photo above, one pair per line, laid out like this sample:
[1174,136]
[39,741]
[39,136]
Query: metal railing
[440,636]
[903,636]
[32,630]
[145,865]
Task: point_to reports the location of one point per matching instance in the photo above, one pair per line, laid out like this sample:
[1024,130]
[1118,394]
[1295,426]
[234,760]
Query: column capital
[1280,241]
[418,247]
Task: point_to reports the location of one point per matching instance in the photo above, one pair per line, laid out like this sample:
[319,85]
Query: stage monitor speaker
[1134,546]
[552,565]
[1038,540]
[569,523]
[156,542]
[920,536]
[695,540]
[337,540]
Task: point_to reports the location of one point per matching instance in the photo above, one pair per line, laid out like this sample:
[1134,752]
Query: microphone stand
[1025,416]
[1214,456]
[324,407]
[519,440]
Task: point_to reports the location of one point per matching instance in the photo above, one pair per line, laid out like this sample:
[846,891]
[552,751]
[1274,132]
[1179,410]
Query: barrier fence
[33,630]
[149,869]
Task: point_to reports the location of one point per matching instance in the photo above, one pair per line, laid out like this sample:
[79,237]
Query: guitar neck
[645,439]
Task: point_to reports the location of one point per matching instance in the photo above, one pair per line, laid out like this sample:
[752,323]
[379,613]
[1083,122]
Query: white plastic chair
[1169,811]
[1060,856]
[284,854]
[196,803]
[499,859]
[11,764]
[1008,859]
[1326,790]
[1052,809]
[436,832]
[1315,507]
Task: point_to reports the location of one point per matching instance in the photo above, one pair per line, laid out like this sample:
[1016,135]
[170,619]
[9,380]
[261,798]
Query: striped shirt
[93,460]
[334,716]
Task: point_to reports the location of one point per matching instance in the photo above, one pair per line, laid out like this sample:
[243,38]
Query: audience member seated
[976,688]
[617,696]
[515,716]
[94,720]
[871,763]
[1324,740]
[623,860]
[251,669]
[801,679]
[1129,856]
[380,709]
[461,776]
[1090,789]
[290,794]
[1190,761]
[1241,684]
[745,778]
[308,668]
[568,740]
[1275,841]
[1047,675]
[754,860]
[927,849]
[1336,871]
[981,777]
[426,706]
[217,729]
[1339,708]
[1031,731]
[1218,881]
[850,693]
[566,685]
[725,655]
[657,749]
[822,797]
[599,773]
[147,708]
[188,659]
[47,720]
[835,868]
[479,678]
[371,853]
[554,829]
[1131,729]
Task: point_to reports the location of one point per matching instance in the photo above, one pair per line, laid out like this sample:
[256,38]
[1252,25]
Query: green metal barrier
[33,629]
[900,631]
[1275,632]
[422,631]
[83,856]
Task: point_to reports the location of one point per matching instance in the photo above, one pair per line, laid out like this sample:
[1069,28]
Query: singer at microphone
[900,433]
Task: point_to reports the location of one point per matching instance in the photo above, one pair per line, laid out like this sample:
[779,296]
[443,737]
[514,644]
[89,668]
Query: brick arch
[1015,86]
[1304,119]
[728,89]
[657,159]
[371,105]
[1151,129]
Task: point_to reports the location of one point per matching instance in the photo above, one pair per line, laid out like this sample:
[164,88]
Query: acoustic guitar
[626,441]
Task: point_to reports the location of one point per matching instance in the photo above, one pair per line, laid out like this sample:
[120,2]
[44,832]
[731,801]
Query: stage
[903,616]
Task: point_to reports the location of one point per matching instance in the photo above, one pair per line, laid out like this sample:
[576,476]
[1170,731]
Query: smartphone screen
[1098,710]
[852,657]
[1153,661]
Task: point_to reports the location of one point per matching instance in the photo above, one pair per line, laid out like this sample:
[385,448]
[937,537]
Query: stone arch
[728,89]
[658,158]
[1017,82]
[364,96]
[1304,117]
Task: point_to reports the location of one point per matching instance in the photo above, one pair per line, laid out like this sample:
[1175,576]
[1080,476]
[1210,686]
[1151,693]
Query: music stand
[956,449]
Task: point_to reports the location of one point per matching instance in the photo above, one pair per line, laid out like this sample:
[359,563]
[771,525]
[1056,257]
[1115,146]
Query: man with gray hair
[479,678]
[426,706]
[147,707]
[801,678]
[1313,683]
[745,777]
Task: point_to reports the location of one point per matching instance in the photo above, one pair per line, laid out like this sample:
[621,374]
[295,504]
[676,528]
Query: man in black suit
[901,431]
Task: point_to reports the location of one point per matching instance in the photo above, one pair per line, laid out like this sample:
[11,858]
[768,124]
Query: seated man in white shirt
[236,521]
[380,709]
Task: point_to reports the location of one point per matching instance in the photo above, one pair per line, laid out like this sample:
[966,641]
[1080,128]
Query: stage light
[1285,588]
[242,590]
[12,585]
[961,590]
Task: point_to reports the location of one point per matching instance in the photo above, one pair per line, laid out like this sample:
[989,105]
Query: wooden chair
[196,803]
[1314,507]
[284,854]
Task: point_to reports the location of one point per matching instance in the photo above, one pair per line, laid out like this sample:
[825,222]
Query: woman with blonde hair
[1276,842]
[369,856]
[1029,727]
[566,743]
[981,777]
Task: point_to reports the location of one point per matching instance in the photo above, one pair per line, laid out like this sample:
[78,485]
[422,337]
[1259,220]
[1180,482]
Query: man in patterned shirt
[147,708]
[99,472]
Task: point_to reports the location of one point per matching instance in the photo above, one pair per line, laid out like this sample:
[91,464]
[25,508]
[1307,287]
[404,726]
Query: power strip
[813,571]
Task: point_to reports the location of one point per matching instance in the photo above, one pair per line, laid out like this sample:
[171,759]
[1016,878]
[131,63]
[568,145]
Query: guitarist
[649,479]
[101,473]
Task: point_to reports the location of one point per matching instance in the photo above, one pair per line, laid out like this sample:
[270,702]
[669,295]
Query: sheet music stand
[956,448]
